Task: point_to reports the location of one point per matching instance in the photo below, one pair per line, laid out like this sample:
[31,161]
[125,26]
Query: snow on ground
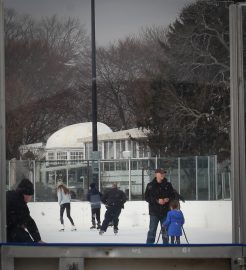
[206,222]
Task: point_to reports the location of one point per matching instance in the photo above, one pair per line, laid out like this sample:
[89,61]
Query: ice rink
[206,222]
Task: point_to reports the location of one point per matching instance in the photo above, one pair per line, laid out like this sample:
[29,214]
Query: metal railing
[196,178]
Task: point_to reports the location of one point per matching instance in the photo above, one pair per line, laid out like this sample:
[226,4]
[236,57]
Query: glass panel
[170,79]
[188,178]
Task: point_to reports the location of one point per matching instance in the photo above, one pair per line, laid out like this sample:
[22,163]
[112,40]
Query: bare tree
[41,76]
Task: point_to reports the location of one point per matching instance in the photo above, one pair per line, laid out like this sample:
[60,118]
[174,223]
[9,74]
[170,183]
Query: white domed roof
[67,137]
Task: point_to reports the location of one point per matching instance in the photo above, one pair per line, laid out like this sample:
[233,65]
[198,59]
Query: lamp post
[2,130]
[94,83]
[95,153]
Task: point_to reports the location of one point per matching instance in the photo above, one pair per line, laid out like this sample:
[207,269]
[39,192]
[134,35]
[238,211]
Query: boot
[62,229]
[98,226]
[73,228]
[93,227]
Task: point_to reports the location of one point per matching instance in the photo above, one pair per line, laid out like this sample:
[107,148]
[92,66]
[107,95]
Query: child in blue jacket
[174,222]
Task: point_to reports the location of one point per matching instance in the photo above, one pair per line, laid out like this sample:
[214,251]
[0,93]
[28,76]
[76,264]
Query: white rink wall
[206,222]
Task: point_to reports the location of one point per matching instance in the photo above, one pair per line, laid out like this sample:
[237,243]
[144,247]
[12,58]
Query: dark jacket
[114,198]
[94,197]
[18,216]
[155,191]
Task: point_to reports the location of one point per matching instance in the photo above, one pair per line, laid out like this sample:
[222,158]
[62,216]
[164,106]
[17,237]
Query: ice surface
[206,222]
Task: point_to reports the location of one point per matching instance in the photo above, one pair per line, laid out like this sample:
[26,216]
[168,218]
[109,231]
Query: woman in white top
[64,200]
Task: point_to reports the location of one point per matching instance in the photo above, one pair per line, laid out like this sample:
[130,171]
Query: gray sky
[114,18]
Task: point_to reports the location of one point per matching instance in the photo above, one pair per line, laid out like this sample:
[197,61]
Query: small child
[94,197]
[174,222]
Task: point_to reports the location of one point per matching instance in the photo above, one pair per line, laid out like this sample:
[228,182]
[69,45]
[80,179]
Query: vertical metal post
[130,179]
[142,183]
[94,83]
[99,175]
[216,178]
[34,179]
[196,159]
[209,180]
[179,175]
[237,124]
[2,131]
[95,153]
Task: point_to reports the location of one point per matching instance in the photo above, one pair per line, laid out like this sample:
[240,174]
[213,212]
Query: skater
[174,222]
[114,201]
[20,225]
[94,197]
[158,193]
[64,200]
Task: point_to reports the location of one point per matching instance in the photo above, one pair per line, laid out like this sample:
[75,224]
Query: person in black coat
[158,194]
[114,201]
[20,225]
[94,197]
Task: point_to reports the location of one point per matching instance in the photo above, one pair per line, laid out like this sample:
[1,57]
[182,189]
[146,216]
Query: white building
[74,142]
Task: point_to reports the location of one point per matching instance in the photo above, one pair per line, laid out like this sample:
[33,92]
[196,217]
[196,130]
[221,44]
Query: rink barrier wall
[112,256]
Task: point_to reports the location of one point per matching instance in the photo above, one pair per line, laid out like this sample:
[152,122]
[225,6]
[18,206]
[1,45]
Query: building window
[134,149]
[76,155]
[61,156]
[51,156]
[143,150]
[120,147]
[108,150]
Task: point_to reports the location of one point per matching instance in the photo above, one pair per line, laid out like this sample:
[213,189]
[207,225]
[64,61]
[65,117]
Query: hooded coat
[19,219]
[174,222]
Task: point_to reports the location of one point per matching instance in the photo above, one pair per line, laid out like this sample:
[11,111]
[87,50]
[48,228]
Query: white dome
[67,137]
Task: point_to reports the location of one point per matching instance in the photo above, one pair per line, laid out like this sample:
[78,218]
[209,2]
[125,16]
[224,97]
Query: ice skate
[101,232]
[115,231]
[93,227]
[62,229]
[98,226]
[73,228]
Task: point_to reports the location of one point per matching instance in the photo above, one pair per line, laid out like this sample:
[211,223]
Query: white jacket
[62,197]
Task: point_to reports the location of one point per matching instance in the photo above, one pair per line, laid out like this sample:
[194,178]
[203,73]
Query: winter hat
[25,187]
[160,170]
[92,185]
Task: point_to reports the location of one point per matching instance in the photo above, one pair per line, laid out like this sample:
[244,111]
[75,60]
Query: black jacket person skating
[20,225]
[114,201]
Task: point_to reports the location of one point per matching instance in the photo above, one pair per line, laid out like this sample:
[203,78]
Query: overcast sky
[114,18]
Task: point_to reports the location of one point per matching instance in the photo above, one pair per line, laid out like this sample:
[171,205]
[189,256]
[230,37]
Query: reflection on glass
[163,97]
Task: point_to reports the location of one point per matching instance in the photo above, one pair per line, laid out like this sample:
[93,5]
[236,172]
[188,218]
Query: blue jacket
[174,222]
[94,197]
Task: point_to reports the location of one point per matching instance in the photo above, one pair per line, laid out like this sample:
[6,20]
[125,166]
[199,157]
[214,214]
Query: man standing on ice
[158,194]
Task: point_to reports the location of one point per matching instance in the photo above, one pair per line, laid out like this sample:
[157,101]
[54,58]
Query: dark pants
[112,214]
[62,209]
[175,240]
[95,215]
[19,235]
[153,224]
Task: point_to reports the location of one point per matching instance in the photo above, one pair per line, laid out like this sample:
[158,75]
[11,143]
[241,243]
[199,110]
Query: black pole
[94,83]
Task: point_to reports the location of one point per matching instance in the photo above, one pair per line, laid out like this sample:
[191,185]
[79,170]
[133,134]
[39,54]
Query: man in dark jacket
[94,197]
[158,194]
[114,201]
[20,225]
